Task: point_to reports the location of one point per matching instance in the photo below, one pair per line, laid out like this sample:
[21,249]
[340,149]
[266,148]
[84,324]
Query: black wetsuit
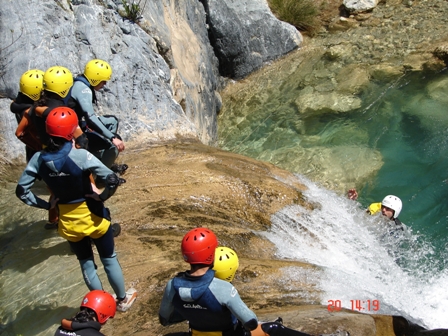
[396,227]
[18,107]
[90,328]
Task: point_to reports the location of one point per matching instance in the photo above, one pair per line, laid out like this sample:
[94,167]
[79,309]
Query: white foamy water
[360,261]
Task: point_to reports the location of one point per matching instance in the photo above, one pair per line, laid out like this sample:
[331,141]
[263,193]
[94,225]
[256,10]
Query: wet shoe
[279,320]
[121,181]
[51,226]
[124,305]
[119,168]
[116,229]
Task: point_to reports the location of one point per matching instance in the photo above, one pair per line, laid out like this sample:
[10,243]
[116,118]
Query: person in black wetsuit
[210,303]
[31,86]
[96,308]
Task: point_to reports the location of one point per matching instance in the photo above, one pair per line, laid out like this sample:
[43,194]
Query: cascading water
[361,261]
[387,138]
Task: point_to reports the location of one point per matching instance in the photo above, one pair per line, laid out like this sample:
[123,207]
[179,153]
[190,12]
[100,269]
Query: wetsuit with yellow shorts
[81,218]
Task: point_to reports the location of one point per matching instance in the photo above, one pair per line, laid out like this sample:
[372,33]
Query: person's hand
[53,202]
[119,144]
[95,189]
[95,196]
[352,194]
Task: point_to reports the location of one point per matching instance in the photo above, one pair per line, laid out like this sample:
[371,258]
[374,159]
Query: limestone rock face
[139,93]
[356,6]
[245,34]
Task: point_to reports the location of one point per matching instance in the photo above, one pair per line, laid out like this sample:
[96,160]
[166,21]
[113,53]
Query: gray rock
[245,34]
[357,6]
[143,61]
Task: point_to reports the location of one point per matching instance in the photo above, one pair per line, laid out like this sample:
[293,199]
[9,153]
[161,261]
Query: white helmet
[394,203]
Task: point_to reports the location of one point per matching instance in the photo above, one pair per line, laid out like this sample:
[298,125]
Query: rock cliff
[165,71]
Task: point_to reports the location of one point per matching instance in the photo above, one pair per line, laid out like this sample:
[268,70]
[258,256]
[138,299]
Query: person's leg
[102,148]
[105,247]
[277,329]
[84,253]
[109,155]
[110,121]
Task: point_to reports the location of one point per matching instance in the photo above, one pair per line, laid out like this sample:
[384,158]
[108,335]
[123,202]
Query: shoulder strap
[82,78]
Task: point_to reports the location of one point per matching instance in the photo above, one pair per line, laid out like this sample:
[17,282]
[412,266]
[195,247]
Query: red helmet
[62,122]
[198,246]
[102,303]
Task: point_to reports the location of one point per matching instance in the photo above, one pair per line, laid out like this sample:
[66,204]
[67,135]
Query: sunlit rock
[385,72]
[441,52]
[312,103]
[342,24]
[352,79]
[245,34]
[355,6]
[338,52]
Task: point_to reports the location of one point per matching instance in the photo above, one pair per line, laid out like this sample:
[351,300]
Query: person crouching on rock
[225,266]
[209,304]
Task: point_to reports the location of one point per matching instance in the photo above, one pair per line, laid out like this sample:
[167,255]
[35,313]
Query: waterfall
[362,266]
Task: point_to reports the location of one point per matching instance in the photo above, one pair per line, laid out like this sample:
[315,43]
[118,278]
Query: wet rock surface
[170,189]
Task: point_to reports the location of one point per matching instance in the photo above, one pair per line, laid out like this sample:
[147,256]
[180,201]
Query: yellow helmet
[59,80]
[97,71]
[226,263]
[31,83]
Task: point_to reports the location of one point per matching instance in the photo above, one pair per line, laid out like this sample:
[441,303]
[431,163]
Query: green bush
[303,14]
[133,9]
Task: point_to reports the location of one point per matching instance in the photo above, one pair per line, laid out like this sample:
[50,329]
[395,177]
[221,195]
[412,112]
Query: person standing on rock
[104,142]
[83,218]
[31,86]
[56,83]
[209,304]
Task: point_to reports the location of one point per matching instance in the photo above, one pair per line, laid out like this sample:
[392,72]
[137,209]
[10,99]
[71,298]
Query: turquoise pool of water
[405,121]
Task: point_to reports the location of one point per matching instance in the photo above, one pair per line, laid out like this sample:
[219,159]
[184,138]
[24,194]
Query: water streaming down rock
[360,260]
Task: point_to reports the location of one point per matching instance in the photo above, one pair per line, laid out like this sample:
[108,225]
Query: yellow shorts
[205,333]
[76,222]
